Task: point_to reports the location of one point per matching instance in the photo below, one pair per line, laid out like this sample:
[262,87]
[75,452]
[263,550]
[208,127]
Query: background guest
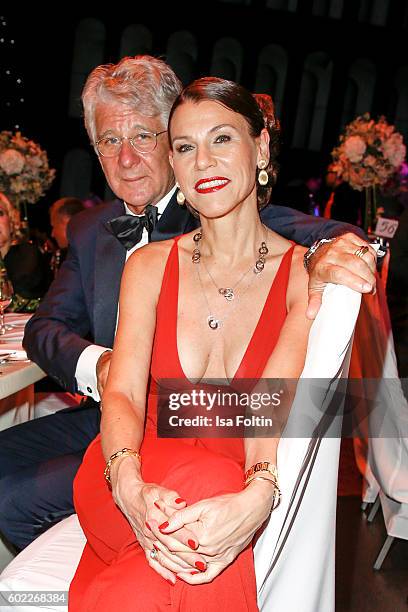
[344,203]
[26,266]
[61,212]
[60,215]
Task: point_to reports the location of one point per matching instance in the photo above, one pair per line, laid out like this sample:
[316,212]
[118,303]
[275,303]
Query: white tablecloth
[16,377]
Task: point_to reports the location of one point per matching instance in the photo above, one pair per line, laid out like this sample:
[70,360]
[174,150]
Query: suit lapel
[174,221]
[110,258]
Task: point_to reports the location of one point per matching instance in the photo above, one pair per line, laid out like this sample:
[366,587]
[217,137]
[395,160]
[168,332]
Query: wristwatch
[313,249]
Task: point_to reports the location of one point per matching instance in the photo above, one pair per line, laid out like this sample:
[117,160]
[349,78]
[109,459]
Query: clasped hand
[146,507]
[194,543]
[224,526]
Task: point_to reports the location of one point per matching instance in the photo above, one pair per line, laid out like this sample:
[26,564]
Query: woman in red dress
[227,302]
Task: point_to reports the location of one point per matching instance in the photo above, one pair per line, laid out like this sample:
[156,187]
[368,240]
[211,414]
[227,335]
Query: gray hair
[144,83]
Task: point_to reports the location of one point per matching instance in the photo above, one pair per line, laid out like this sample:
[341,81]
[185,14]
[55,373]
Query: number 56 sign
[386,228]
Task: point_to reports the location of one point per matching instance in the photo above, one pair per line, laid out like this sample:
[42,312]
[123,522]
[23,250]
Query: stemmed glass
[6,295]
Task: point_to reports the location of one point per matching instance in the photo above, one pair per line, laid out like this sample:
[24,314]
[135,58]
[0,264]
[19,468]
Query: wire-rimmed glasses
[143,142]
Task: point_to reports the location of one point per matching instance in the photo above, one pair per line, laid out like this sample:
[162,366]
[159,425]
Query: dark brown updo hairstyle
[236,98]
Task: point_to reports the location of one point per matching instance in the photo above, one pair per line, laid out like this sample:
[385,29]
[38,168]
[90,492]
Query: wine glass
[6,295]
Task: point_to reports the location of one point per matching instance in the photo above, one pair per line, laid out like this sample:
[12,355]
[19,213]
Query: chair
[303,522]
[299,539]
[48,564]
[382,451]
[396,523]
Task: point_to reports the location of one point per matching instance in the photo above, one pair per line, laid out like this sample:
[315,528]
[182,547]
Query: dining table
[17,374]
[17,377]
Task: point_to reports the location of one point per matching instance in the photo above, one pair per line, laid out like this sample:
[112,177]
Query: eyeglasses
[143,142]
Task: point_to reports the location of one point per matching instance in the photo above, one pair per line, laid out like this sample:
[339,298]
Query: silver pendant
[227,292]
[213,323]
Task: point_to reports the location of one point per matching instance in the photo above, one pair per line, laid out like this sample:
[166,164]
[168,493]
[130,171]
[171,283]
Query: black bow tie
[128,229]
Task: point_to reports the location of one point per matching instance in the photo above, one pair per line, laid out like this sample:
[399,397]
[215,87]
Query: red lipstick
[208,185]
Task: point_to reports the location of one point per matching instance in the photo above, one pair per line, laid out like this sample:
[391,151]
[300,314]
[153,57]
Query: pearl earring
[181,198]
[263,177]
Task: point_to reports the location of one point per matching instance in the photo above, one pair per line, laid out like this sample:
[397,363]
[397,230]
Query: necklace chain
[227,292]
[213,321]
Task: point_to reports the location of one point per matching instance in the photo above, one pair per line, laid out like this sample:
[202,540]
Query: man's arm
[334,262]
[55,337]
[304,229]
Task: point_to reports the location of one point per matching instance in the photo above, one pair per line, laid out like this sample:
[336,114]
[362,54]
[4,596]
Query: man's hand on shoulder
[336,262]
[102,370]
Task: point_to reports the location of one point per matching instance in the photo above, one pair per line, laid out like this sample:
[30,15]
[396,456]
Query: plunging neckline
[255,332]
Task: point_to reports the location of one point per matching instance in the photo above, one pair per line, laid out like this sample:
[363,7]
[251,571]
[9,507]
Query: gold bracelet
[276,490]
[120,453]
[261,466]
[262,476]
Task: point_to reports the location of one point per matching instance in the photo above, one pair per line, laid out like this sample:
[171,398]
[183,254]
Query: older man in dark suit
[70,337]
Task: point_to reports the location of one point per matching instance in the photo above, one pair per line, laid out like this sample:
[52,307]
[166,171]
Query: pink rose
[11,161]
[354,148]
[34,161]
[17,185]
[394,150]
[370,160]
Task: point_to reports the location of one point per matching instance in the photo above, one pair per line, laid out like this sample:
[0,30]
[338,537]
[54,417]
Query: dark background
[45,44]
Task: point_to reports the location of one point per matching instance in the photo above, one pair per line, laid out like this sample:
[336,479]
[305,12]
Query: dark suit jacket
[28,270]
[80,307]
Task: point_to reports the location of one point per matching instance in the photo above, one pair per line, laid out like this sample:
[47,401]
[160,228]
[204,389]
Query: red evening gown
[113,573]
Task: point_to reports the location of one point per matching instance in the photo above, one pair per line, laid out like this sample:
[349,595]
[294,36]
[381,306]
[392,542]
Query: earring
[181,198]
[263,177]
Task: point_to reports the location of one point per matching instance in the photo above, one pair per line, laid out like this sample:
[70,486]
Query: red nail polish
[192,544]
[179,500]
[200,565]
[157,505]
[192,573]
[148,526]
[164,525]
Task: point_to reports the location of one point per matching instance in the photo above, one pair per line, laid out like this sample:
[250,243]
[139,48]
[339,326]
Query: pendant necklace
[227,292]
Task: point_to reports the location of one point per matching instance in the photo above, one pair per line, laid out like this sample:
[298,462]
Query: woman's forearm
[122,424]
[260,449]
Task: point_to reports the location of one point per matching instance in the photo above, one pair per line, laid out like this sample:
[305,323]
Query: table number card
[386,228]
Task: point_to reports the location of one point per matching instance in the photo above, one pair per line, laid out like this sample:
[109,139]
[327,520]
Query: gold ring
[361,251]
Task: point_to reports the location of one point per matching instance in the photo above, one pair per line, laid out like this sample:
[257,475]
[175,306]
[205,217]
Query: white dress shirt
[85,373]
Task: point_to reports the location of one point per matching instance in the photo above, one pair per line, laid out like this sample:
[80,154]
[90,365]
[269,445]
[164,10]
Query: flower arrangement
[369,152]
[24,171]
